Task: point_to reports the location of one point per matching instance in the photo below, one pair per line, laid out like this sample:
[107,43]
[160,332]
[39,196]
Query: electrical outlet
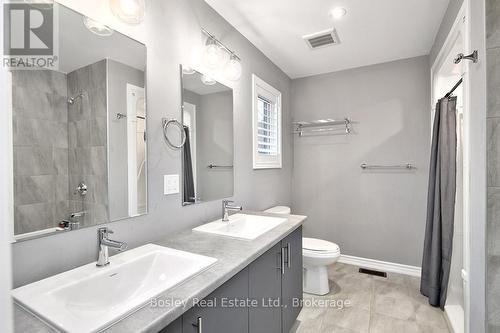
[170,184]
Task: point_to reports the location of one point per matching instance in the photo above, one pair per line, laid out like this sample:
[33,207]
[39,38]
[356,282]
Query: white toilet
[317,255]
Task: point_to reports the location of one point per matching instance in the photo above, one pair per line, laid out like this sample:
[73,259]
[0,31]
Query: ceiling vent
[323,38]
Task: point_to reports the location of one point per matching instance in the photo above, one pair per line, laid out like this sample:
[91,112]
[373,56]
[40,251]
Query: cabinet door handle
[199,325]
[289,255]
[282,261]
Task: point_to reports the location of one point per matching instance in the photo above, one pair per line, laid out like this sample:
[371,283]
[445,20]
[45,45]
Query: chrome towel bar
[214,166]
[407,166]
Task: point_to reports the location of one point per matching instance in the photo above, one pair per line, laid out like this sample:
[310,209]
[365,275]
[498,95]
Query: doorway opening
[445,75]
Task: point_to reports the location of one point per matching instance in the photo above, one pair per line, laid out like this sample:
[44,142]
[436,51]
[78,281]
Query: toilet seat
[319,246]
[317,254]
[284,210]
[320,254]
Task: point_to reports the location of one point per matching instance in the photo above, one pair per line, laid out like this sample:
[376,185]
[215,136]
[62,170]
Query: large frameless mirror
[79,132]
[207,117]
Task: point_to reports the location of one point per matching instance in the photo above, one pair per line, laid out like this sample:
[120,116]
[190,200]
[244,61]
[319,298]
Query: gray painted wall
[214,137]
[191,97]
[493,172]
[172,30]
[118,77]
[377,215]
[445,27]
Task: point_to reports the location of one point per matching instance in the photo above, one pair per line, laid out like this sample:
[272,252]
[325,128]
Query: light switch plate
[170,184]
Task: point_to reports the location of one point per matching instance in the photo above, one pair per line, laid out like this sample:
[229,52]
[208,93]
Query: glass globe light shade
[129,11]
[233,69]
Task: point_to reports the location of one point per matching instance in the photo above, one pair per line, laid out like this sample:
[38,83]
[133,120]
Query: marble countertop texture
[232,255]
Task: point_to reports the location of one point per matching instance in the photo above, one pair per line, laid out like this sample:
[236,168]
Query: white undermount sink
[242,226]
[90,298]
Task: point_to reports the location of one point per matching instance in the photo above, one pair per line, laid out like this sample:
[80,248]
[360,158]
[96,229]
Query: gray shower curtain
[438,242]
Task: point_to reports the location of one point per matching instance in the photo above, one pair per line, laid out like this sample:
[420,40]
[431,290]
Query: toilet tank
[279,210]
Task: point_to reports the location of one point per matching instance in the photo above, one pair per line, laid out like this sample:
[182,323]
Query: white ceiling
[372,31]
[192,82]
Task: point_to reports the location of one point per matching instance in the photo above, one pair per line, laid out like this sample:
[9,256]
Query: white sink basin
[242,226]
[90,298]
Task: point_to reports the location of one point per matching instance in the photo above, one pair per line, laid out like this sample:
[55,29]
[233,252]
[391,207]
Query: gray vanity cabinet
[277,275]
[273,281]
[219,316]
[291,283]
[265,288]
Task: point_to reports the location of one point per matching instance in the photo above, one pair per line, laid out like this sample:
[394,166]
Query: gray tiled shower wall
[87,158]
[493,172]
[40,138]
[57,145]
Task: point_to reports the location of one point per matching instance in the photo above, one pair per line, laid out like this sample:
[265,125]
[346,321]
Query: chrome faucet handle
[103,243]
[226,207]
[224,204]
[104,232]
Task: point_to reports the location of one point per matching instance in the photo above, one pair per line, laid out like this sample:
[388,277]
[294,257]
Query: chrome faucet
[226,207]
[104,243]
[73,222]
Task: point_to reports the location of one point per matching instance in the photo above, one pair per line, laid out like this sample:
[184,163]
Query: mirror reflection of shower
[72,100]
[136,149]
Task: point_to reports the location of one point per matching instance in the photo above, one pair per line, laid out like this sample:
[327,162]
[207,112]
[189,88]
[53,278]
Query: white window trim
[259,161]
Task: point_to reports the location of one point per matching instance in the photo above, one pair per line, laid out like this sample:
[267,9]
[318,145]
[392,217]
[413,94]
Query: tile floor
[377,305]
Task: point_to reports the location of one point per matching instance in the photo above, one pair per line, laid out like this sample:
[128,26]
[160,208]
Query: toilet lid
[314,244]
[279,210]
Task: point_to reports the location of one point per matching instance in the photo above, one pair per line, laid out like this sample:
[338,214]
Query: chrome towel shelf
[407,166]
[322,125]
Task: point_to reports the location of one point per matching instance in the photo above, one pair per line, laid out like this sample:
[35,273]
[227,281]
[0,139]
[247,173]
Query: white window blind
[267,125]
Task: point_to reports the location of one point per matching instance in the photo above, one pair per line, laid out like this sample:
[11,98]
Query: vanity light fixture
[212,54]
[217,55]
[97,27]
[129,11]
[233,68]
[338,12]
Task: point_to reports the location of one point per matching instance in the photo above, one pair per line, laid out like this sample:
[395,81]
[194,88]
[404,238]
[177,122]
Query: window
[266,125]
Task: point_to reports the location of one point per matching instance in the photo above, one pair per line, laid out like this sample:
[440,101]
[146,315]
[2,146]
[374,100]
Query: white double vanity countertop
[232,256]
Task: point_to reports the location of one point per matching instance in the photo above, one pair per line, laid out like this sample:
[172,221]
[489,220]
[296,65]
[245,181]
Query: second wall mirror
[207,117]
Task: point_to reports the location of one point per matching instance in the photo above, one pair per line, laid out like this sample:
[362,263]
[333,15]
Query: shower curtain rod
[448,95]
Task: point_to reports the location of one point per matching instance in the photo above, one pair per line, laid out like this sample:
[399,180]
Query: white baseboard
[381,265]
[454,315]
